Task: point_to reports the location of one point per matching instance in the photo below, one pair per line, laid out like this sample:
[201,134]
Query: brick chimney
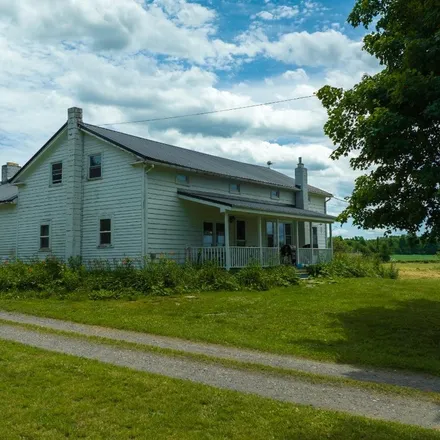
[74,172]
[302,196]
[9,170]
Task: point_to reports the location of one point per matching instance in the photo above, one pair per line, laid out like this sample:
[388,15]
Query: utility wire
[341,200]
[210,112]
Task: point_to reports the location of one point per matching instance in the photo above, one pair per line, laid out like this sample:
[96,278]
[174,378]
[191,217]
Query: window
[241,232]
[57,173]
[220,234]
[213,234]
[234,188]
[285,233]
[315,236]
[105,232]
[208,234]
[95,166]
[183,179]
[270,230]
[44,237]
[275,194]
[288,233]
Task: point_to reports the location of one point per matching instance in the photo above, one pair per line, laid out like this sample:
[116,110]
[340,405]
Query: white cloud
[265,15]
[107,63]
[278,13]
[174,28]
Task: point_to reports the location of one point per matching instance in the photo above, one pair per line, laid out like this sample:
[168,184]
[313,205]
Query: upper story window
[105,232]
[95,166]
[44,236]
[275,194]
[234,188]
[183,179]
[57,173]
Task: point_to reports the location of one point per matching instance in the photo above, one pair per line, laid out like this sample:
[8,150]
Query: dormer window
[275,194]
[57,173]
[182,179]
[234,188]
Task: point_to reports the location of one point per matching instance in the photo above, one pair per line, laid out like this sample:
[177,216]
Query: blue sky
[130,59]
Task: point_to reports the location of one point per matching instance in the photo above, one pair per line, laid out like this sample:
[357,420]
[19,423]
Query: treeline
[386,246]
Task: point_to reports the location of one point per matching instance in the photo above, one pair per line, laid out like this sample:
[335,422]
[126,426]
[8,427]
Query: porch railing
[240,256]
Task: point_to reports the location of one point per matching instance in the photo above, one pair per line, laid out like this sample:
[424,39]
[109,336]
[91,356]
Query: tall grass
[354,266]
[126,278]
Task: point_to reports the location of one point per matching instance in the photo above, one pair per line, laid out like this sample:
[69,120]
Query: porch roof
[8,193]
[244,204]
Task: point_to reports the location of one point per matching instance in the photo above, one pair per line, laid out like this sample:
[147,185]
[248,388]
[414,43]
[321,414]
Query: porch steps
[303,274]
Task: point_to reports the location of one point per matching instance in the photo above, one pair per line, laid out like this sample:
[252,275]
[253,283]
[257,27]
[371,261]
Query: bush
[353,266]
[127,279]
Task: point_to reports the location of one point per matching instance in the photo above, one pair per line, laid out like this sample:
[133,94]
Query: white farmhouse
[102,194]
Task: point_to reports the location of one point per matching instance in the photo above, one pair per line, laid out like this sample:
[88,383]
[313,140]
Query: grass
[419,270]
[415,257]
[49,396]
[383,323]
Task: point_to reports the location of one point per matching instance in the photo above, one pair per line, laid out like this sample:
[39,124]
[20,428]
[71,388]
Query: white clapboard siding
[39,202]
[118,196]
[8,231]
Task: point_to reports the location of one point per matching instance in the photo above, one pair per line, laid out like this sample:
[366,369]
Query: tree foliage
[384,247]
[389,123]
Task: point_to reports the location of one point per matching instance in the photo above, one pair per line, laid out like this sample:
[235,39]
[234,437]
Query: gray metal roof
[8,193]
[257,205]
[169,154]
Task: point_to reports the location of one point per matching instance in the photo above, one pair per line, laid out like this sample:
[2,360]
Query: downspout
[145,209]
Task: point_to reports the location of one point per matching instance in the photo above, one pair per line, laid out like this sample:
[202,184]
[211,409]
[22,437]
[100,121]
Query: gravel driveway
[418,381]
[350,400]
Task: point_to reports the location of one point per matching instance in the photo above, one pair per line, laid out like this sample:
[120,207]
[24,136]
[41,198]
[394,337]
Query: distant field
[414,258]
[419,270]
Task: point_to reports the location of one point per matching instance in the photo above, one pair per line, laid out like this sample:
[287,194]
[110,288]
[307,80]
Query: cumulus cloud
[174,28]
[278,13]
[129,60]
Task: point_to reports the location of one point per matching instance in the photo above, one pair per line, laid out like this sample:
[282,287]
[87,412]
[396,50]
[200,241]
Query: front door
[240,227]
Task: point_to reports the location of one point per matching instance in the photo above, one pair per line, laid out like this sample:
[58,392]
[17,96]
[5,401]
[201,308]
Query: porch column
[277,235]
[260,239]
[331,239]
[311,236]
[297,233]
[227,249]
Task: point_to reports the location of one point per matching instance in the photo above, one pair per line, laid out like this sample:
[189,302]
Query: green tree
[384,251]
[391,120]
[340,246]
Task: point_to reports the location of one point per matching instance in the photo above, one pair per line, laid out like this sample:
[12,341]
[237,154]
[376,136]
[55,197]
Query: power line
[210,112]
[341,200]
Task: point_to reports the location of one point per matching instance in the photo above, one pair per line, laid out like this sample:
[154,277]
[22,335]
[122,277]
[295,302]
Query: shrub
[254,277]
[283,276]
[352,266]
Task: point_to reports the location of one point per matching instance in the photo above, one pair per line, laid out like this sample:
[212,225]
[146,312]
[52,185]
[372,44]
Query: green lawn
[388,323]
[49,396]
[414,258]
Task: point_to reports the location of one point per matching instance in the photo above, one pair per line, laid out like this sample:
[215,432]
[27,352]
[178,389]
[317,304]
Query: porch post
[260,239]
[331,239]
[297,233]
[297,243]
[311,235]
[278,234]
[227,249]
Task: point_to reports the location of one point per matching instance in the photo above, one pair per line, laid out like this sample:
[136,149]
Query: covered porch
[236,236]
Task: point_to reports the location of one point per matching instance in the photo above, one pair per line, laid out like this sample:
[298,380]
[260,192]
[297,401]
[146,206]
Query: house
[101,194]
